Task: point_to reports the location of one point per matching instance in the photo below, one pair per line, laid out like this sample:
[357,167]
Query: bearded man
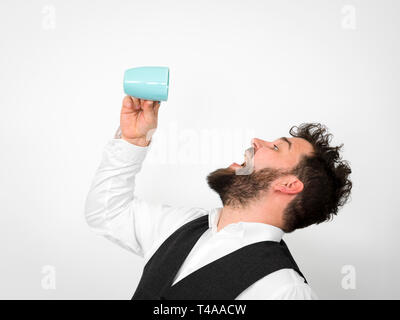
[232,252]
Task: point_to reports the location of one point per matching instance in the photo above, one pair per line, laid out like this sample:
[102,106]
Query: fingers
[136,103]
[154,104]
[148,109]
[156,107]
[130,104]
[127,102]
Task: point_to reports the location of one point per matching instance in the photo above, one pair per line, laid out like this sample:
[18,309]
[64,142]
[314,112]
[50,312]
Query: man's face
[264,162]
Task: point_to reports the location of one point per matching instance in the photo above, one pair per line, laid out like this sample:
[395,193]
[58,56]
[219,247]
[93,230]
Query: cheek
[264,159]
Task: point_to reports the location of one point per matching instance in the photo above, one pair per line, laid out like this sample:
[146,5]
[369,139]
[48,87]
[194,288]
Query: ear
[289,185]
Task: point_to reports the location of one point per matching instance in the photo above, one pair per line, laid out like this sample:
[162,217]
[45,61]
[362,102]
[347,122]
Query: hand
[138,120]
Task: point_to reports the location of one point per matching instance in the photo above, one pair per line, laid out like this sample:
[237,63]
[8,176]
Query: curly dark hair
[325,177]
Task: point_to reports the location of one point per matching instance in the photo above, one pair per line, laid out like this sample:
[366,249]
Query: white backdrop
[239,69]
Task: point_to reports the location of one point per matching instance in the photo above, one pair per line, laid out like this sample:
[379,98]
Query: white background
[253,67]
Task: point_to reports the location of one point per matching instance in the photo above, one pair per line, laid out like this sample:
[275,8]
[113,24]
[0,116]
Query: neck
[254,212]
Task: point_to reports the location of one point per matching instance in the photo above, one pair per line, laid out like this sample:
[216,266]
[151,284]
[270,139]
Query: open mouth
[247,166]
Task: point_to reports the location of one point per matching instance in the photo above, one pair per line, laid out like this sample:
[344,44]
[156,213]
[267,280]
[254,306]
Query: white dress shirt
[115,212]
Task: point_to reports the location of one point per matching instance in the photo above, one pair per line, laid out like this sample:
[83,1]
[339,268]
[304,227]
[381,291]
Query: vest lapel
[165,263]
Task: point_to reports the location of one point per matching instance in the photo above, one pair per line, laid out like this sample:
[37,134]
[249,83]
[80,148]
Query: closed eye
[276,147]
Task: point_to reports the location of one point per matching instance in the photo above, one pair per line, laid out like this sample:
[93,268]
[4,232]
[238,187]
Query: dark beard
[238,190]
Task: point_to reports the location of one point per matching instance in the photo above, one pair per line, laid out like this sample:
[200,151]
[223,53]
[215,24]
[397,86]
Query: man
[233,252]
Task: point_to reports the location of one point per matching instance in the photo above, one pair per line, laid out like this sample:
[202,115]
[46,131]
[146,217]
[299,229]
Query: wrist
[141,142]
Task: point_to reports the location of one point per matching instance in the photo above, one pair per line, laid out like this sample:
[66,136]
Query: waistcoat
[222,279]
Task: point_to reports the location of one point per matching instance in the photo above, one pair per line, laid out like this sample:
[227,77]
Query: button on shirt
[114,211]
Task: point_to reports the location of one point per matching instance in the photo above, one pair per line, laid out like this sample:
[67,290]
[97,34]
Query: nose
[257,144]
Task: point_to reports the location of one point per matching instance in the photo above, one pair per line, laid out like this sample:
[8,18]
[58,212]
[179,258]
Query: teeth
[247,166]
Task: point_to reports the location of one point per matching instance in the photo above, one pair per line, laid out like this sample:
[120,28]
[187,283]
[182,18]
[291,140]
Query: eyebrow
[286,140]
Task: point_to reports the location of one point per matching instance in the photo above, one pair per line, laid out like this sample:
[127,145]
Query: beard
[239,190]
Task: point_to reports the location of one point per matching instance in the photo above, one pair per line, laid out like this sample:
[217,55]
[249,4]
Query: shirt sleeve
[114,211]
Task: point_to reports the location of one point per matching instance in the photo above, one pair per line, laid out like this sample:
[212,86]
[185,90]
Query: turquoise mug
[148,83]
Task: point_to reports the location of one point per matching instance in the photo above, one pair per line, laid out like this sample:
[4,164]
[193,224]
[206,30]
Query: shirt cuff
[124,151]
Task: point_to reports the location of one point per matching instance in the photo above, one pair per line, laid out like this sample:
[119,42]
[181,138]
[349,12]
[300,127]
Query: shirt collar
[250,231]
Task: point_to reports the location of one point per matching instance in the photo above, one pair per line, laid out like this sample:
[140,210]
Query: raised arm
[112,209]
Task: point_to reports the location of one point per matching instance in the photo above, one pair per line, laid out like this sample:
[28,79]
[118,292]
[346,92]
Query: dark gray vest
[222,279]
